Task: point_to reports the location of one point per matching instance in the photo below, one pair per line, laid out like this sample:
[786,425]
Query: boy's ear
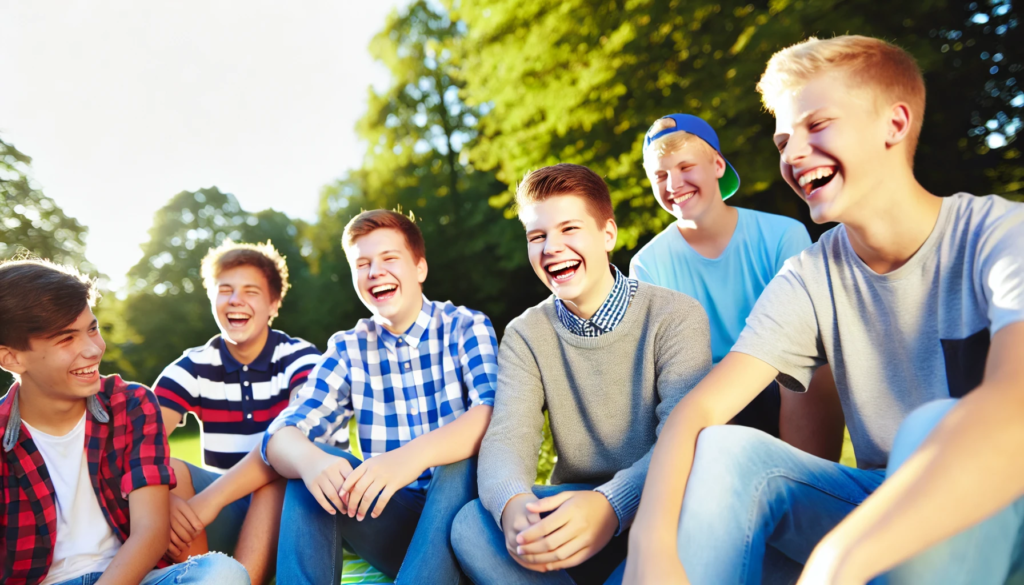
[611,233]
[898,122]
[421,270]
[719,166]
[10,360]
[274,308]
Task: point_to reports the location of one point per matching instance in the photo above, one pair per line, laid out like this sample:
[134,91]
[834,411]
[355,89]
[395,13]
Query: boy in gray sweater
[608,358]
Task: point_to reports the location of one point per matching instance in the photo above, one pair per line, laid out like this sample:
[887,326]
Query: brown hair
[888,70]
[373,220]
[262,257]
[567,179]
[38,298]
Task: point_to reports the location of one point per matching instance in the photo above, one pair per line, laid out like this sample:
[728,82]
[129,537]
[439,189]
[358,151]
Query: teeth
[680,199]
[83,372]
[237,316]
[563,265]
[814,174]
[382,288]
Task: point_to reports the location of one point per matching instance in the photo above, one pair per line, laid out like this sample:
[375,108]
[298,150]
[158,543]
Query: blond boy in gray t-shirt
[917,302]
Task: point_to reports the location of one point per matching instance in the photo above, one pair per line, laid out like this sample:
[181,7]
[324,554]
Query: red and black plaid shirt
[126,453]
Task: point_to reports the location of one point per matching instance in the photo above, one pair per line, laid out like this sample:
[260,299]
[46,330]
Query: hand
[515,518]
[579,525]
[205,506]
[324,481]
[384,474]
[185,526]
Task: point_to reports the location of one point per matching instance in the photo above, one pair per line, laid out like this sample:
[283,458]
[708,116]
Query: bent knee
[916,428]
[468,527]
[183,476]
[218,568]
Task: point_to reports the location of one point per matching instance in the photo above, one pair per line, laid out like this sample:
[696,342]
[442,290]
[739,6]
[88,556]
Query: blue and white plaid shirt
[398,387]
[608,316]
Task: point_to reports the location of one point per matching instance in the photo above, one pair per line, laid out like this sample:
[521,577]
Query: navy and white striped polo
[235,402]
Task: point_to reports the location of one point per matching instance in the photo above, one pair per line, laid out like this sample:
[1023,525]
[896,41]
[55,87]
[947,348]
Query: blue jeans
[209,568]
[222,533]
[749,494]
[408,541]
[480,547]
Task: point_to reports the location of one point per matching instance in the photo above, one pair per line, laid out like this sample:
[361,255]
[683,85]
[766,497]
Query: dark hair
[262,257]
[38,298]
[567,179]
[370,221]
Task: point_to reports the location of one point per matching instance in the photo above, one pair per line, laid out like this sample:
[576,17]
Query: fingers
[553,522]
[190,516]
[353,477]
[368,497]
[181,531]
[382,501]
[549,504]
[325,494]
[542,550]
[574,560]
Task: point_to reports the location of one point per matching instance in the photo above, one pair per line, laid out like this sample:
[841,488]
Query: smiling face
[685,181]
[63,366]
[834,142]
[388,277]
[243,306]
[569,248]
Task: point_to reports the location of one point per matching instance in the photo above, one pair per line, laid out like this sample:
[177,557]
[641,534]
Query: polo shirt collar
[260,364]
[415,334]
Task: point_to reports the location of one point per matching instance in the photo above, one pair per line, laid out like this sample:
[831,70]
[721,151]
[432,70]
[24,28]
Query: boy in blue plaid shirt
[419,378]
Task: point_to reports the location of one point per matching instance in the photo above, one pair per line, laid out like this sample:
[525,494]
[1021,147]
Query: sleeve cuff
[147,475]
[624,497]
[497,496]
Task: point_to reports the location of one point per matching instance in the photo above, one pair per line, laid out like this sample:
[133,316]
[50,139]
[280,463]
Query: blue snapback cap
[730,181]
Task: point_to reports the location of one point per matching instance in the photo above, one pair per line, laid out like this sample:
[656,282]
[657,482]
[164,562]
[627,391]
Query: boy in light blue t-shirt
[724,256]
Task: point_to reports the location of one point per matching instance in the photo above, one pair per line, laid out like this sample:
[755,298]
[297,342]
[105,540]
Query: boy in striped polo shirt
[235,385]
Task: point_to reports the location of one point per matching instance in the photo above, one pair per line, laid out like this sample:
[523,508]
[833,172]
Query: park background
[478,93]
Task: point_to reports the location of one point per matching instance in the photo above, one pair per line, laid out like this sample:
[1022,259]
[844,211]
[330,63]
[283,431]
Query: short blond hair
[888,70]
[670,143]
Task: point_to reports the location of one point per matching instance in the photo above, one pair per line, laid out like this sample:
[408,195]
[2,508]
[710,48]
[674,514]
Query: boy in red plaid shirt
[84,459]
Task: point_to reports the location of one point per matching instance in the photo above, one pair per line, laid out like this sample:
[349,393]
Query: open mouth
[815,179]
[680,199]
[563,271]
[86,374]
[238,319]
[384,292]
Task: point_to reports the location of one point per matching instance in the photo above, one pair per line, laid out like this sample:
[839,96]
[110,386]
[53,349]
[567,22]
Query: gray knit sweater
[607,397]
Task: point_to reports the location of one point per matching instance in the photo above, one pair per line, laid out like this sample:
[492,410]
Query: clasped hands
[579,524]
[337,486]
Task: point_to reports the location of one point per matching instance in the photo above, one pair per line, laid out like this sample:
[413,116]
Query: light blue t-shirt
[728,286]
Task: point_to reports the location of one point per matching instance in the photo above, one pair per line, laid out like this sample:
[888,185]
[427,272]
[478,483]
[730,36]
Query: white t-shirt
[85,541]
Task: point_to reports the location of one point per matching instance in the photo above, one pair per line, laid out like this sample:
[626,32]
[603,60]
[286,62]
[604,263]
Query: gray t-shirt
[895,340]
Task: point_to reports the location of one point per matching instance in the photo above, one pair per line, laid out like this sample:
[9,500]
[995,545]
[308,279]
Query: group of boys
[907,318]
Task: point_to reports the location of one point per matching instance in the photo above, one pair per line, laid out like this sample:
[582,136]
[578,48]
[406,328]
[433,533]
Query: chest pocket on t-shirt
[965,362]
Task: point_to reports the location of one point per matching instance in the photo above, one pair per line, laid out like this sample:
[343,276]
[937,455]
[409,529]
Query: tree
[31,221]
[581,81]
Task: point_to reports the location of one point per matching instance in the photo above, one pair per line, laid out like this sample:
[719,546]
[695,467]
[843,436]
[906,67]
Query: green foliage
[31,222]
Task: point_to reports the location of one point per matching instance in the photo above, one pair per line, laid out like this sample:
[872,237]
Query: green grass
[185,444]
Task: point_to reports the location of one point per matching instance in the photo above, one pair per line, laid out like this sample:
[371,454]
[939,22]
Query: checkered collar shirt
[608,316]
[398,387]
[126,449]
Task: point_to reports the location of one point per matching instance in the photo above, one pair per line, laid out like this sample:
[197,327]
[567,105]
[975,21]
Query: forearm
[965,469]
[136,557]
[290,452]
[453,442]
[244,478]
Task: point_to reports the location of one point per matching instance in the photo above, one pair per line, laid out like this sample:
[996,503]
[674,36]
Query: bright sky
[122,105]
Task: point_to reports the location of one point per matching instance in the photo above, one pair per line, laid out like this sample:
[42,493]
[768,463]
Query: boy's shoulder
[286,345]
[206,354]
[534,318]
[770,222]
[117,393]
